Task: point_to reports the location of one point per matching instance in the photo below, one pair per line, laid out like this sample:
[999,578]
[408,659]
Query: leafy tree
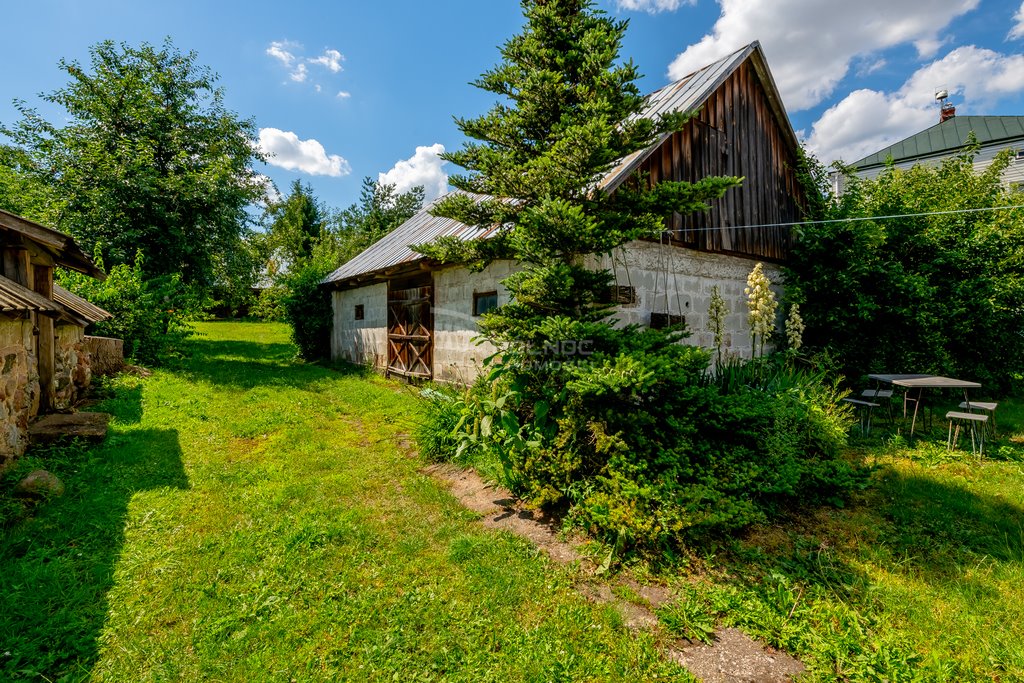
[296,224]
[21,191]
[940,293]
[146,158]
[380,209]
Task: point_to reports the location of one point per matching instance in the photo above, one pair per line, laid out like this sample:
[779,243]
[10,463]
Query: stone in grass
[39,484]
[88,426]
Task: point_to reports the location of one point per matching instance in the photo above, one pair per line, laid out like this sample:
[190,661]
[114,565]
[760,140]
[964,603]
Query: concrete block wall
[679,281]
[457,358]
[361,341]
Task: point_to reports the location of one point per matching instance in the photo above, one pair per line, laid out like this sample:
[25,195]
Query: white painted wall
[667,280]
[1012,176]
[456,357]
[361,341]
[679,282]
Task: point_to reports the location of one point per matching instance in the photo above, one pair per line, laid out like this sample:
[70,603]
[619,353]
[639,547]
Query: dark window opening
[360,312]
[621,295]
[661,321]
[484,302]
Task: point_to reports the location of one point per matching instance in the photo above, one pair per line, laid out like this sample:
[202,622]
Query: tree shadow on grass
[250,364]
[909,524]
[58,565]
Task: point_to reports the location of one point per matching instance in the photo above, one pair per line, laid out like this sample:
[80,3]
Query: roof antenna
[946,109]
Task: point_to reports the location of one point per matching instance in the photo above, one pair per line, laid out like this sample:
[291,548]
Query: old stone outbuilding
[41,328]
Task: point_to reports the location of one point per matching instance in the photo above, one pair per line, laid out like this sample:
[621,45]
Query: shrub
[637,441]
[307,307]
[153,316]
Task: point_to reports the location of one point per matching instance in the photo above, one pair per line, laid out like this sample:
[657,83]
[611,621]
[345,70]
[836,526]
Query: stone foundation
[106,355]
[71,371]
[19,386]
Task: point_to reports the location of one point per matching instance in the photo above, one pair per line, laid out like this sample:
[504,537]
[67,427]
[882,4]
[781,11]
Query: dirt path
[734,657]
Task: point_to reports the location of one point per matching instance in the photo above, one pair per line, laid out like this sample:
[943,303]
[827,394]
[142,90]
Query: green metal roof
[948,136]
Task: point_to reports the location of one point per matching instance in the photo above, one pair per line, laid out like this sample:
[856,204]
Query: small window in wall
[484,302]
[661,321]
[623,296]
[360,312]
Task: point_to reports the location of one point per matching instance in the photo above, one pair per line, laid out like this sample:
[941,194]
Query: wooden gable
[737,132]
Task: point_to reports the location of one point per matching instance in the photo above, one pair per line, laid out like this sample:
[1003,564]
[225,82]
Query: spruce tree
[569,111]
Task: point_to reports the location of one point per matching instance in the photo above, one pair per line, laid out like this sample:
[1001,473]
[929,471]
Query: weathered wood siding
[734,134]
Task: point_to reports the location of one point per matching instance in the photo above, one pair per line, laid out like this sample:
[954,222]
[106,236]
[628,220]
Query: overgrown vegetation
[624,429]
[152,315]
[251,518]
[939,293]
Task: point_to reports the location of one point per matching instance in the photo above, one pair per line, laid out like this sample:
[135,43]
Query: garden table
[922,382]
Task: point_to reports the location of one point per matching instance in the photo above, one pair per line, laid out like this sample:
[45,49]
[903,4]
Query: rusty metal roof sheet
[84,309]
[686,94]
[393,249]
[15,298]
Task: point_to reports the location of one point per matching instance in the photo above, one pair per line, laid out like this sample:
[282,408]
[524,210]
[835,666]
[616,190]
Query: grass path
[252,519]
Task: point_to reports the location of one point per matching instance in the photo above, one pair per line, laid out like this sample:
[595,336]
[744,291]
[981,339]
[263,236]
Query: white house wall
[666,279]
[361,341]
[1013,176]
[456,357]
[679,281]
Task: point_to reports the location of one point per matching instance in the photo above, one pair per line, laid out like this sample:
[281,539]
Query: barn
[408,316]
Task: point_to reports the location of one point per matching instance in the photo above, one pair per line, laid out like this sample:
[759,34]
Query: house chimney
[946,110]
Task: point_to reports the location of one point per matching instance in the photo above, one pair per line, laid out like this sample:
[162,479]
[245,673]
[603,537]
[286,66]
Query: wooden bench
[863,409]
[990,408]
[974,420]
[876,394]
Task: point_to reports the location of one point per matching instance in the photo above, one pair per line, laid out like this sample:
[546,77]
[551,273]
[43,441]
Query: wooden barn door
[410,331]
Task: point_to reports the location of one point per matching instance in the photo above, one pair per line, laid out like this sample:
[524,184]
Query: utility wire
[846,220]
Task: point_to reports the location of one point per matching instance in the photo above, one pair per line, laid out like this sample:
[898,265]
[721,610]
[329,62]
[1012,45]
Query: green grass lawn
[251,518]
[254,518]
[921,578]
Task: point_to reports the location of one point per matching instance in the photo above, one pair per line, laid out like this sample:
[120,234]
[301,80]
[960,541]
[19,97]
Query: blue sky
[345,90]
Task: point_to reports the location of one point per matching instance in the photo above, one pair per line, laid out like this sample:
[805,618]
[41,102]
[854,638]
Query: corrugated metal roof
[393,249]
[948,136]
[686,94]
[87,310]
[15,298]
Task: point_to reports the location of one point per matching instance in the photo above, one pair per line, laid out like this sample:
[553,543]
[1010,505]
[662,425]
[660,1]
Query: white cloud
[281,50]
[300,73]
[866,121]
[286,150]
[810,44]
[344,95]
[330,59]
[653,6]
[1018,27]
[425,168]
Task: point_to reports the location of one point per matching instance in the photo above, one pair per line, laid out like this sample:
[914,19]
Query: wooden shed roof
[687,94]
[86,310]
[62,247]
[15,298]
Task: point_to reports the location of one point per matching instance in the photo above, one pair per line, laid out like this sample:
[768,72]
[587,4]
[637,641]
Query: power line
[847,220]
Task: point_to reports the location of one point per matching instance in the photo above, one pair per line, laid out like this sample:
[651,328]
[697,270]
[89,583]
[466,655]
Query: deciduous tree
[145,156]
